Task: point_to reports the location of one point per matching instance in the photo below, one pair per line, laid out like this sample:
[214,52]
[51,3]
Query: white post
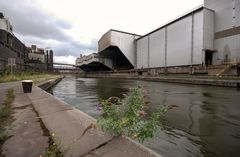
[11,71]
[11,63]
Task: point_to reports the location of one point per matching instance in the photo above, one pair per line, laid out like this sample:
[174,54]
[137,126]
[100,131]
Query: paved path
[27,135]
[4,87]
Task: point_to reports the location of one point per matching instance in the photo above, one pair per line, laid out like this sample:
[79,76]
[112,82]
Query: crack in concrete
[50,114]
[98,147]
[46,132]
[22,107]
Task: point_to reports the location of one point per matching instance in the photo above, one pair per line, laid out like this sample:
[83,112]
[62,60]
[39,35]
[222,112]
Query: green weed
[5,108]
[36,77]
[128,116]
[53,151]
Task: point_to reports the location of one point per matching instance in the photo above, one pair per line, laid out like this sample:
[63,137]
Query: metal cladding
[179,43]
[207,35]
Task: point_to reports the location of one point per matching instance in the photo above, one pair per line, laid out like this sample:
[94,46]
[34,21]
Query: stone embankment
[187,79]
[41,114]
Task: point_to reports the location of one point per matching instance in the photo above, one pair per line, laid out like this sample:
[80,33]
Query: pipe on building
[148,50]
[192,43]
[165,55]
[135,52]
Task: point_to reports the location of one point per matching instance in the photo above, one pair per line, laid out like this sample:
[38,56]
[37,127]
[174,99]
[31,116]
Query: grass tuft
[36,77]
[3,135]
[5,109]
[53,151]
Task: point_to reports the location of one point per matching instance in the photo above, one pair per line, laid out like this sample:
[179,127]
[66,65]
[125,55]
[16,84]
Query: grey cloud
[63,24]
[75,48]
[27,19]
[61,48]
[35,26]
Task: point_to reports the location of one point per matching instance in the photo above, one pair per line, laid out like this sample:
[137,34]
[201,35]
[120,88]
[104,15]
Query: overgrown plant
[128,116]
[9,97]
[3,135]
[53,151]
[36,77]
[53,148]
[5,109]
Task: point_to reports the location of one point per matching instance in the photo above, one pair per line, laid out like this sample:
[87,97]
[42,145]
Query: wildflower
[113,99]
[135,135]
[53,134]
[142,113]
[99,107]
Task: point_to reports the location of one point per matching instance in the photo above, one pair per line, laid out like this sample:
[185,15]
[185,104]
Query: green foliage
[9,97]
[53,151]
[36,77]
[127,116]
[3,135]
[5,109]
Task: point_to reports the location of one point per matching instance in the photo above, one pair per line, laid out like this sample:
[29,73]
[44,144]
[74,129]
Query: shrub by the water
[128,116]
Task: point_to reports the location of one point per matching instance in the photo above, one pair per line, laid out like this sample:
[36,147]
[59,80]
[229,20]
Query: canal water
[205,123]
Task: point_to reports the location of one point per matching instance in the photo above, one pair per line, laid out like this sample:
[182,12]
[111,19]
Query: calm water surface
[205,123]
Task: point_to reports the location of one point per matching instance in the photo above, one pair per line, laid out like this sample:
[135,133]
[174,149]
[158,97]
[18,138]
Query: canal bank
[206,117]
[69,128]
[224,81]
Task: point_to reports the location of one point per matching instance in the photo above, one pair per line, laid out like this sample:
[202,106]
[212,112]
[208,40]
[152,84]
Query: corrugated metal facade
[208,35]
[179,43]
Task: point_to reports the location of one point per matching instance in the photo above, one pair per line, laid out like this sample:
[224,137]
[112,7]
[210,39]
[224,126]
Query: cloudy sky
[73,27]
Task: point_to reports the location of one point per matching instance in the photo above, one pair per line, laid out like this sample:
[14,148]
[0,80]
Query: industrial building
[10,46]
[26,58]
[204,40]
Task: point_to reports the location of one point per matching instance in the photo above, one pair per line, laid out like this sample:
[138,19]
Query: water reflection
[205,123]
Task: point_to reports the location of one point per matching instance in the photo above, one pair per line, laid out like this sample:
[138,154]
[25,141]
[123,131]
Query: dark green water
[206,123]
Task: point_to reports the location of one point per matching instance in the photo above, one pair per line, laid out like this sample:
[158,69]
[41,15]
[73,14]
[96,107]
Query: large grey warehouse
[207,36]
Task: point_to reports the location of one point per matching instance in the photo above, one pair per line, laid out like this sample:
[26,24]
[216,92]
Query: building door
[208,58]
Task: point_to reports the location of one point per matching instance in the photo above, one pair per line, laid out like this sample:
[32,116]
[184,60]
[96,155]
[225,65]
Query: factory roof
[175,20]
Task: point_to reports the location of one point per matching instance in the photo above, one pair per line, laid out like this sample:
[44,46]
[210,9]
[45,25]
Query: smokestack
[51,60]
[1,15]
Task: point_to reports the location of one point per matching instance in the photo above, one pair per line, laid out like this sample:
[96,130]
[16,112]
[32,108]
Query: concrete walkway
[27,135]
[72,130]
[4,87]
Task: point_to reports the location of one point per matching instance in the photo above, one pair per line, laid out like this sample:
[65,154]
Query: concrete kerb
[74,132]
[122,147]
[68,124]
